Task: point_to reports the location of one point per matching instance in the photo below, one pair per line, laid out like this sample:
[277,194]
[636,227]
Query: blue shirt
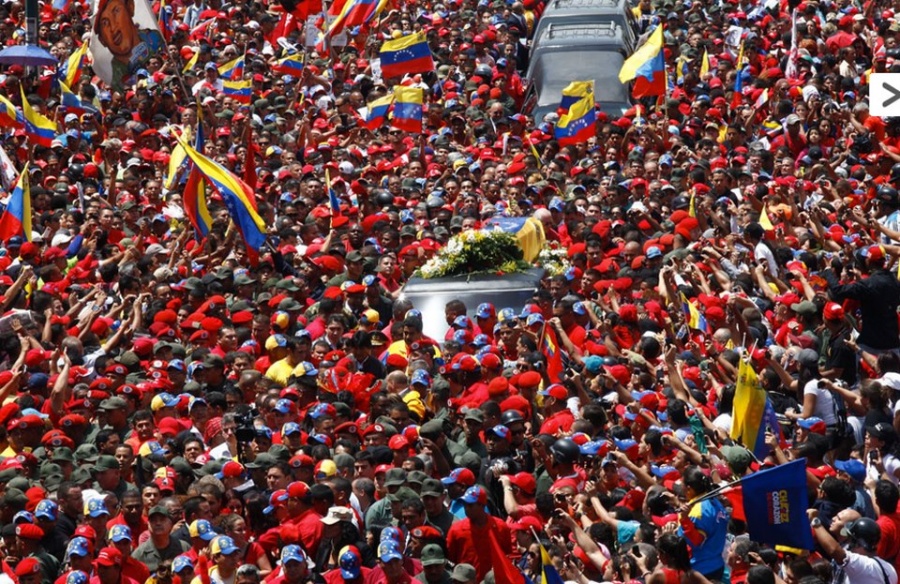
[710,518]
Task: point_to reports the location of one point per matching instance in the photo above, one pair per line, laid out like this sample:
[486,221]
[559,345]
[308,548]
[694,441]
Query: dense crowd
[176,409]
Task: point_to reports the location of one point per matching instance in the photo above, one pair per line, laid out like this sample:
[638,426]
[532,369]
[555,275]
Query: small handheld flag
[70,72]
[72,103]
[578,124]
[290,65]
[378,111]
[232,70]
[408,109]
[39,129]
[16,220]
[406,55]
[239,91]
[574,92]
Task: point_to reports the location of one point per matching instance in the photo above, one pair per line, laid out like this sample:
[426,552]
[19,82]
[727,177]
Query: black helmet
[680,202]
[565,451]
[384,199]
[895,172]
[485,72]
[511,417]
[888,194]
[864,532]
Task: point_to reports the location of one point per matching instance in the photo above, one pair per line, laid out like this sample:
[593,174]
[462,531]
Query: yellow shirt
[280,371]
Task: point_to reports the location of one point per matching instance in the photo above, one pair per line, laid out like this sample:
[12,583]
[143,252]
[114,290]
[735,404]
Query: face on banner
[124,37]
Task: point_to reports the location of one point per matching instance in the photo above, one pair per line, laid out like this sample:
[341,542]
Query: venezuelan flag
[695,320]
[194,198]
[165,22]
[39,128]
[70,72]
[550,349]
[175,161]
[378,111]
[354,13]
[72,103]
[236,195]
[550,575]
[290,65]
[16,220]
[233,70]
[239,91]
[646,67]
[10,116]
[575,91]
[408,108]
[333,200]
[406,55]
[578,124]
[737,96]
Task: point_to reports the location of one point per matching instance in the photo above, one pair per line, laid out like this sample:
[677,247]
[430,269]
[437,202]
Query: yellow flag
[704,64]
[192,62]
[764,220]
[749,406]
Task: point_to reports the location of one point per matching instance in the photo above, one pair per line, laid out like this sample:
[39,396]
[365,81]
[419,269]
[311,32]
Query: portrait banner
[124,37]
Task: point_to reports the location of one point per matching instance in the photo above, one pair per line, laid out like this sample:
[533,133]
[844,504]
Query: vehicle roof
[581,34]
[584,5]
[580,19]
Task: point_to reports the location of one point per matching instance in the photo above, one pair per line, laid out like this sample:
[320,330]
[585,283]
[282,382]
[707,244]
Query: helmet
[486,72]
[75,171]
[681,202]
[565,451]
[511,417]
[895,173]
[384,199]
[864,532]
[887,194]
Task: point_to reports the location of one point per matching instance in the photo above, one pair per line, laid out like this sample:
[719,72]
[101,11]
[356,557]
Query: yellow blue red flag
[647,67]
[405,56]
[16,219]
[235,194]
[40,129]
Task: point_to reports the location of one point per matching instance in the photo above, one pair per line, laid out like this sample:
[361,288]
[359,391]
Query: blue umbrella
[28,56]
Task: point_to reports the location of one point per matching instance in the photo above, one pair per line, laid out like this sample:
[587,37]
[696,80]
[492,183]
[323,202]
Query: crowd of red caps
[178,408]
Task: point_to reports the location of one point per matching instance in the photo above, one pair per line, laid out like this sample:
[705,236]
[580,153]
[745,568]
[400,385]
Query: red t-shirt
[889,544]
[462,549]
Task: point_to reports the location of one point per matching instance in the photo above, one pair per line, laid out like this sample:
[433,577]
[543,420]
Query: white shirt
[762,253]
[860,569]
[824,402]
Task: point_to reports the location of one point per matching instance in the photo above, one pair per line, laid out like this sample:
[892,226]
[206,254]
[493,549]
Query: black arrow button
[895,95]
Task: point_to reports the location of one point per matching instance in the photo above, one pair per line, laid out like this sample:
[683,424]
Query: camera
[246,430]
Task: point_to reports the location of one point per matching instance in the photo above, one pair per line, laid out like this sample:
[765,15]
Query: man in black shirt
[840,359]
[71,509]
[878,297]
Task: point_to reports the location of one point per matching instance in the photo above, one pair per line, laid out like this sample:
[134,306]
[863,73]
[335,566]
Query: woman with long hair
[703,524]
[250,552]
[674,562]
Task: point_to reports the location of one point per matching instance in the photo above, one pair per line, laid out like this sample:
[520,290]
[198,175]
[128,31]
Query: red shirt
[334,576]
[411,567]
[310,528]
[889,544]
[462,549]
